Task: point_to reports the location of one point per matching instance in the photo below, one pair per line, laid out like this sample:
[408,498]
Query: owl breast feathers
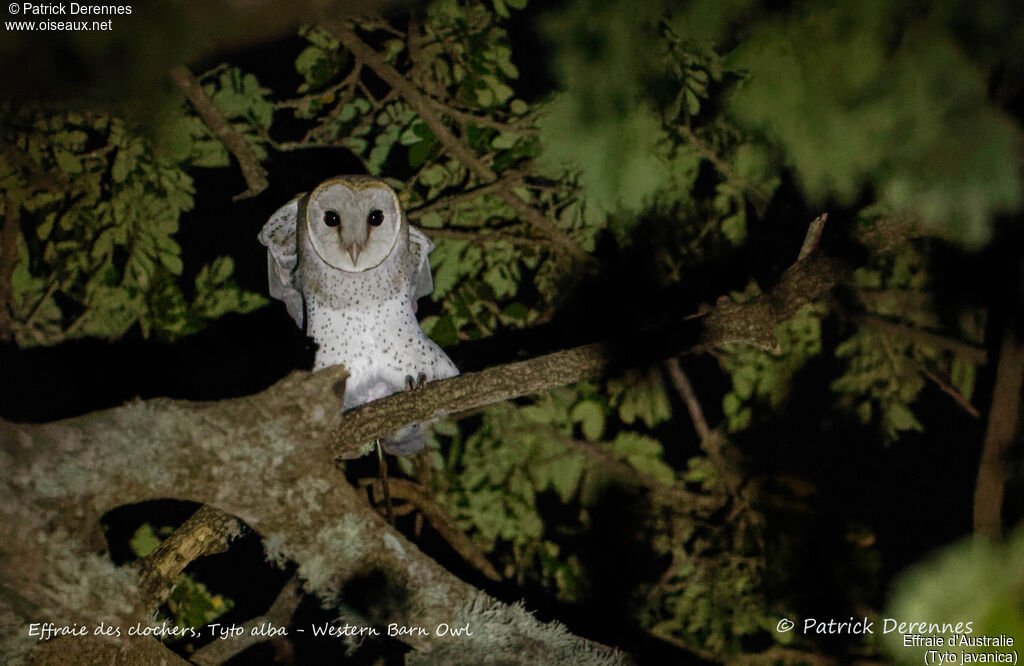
[350,268]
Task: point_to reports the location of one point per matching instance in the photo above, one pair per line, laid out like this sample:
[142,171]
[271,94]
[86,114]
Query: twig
[458,148]
[920,336]
[279,614]
[484,328]
[491,237]
[813,236]
[540,221]
[484,236]
[302,144]
[663,490]
[253,172]
[439,519]
[464,118]
[905,299]
[38,177]
[412,41]
[950,391]
[682,384]
[462,197]
[302,102]
[722,166]
[50,289]
[206,532]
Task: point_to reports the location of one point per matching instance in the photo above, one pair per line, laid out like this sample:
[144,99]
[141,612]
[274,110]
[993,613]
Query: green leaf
[644,454]
[566,474]
[420,152]
[144,541]
[902,418]
[67,162]
[938,150]
[441,330]
[590,415]
[963,372]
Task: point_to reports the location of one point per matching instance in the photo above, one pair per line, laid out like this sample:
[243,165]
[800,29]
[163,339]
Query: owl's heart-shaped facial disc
[353,224]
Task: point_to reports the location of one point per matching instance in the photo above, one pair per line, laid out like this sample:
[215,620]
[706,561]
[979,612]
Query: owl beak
[353,251]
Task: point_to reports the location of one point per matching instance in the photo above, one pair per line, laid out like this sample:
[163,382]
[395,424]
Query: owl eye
[331,218]
[375,218]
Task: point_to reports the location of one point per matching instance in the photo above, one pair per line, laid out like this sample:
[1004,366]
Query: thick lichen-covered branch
[267,460]
[259,458]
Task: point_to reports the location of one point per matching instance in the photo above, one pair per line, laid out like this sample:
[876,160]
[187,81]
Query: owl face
[353,224]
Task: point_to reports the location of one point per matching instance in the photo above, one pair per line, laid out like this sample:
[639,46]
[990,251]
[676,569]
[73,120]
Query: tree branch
[206,532]
[416,100]
[379,418]
[682,385]
[439,519]
[1003,431]
[754,321]
[8,257]
[920,336]
[666,492]
[279,614]
[252,170]
[946,388]
[452,200]
[424,107]
[259,458]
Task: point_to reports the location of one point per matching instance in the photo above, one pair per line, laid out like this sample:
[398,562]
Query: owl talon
[414,384]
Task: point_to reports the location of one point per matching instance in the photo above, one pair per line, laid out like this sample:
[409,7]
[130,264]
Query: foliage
[789,93]
[98,208]
[487,271]
[759,376]
[671,133]
[974,580]
[190,603]
[492,477]
[885,374]
[934,147]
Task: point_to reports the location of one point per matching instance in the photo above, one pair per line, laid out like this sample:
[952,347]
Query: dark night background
[911,497]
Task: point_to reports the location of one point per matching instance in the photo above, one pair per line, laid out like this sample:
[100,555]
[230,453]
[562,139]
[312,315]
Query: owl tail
[406,441]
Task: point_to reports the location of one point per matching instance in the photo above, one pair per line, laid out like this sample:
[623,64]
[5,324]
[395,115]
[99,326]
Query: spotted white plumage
[350,268]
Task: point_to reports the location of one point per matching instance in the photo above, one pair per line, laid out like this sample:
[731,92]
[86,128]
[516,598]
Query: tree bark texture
[268,459]
[262,458]
[1003,432]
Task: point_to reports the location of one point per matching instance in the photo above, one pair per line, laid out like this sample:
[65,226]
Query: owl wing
[279,235]
[422,280]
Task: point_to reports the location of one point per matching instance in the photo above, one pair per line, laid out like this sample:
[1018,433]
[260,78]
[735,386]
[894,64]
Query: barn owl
[350,268]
